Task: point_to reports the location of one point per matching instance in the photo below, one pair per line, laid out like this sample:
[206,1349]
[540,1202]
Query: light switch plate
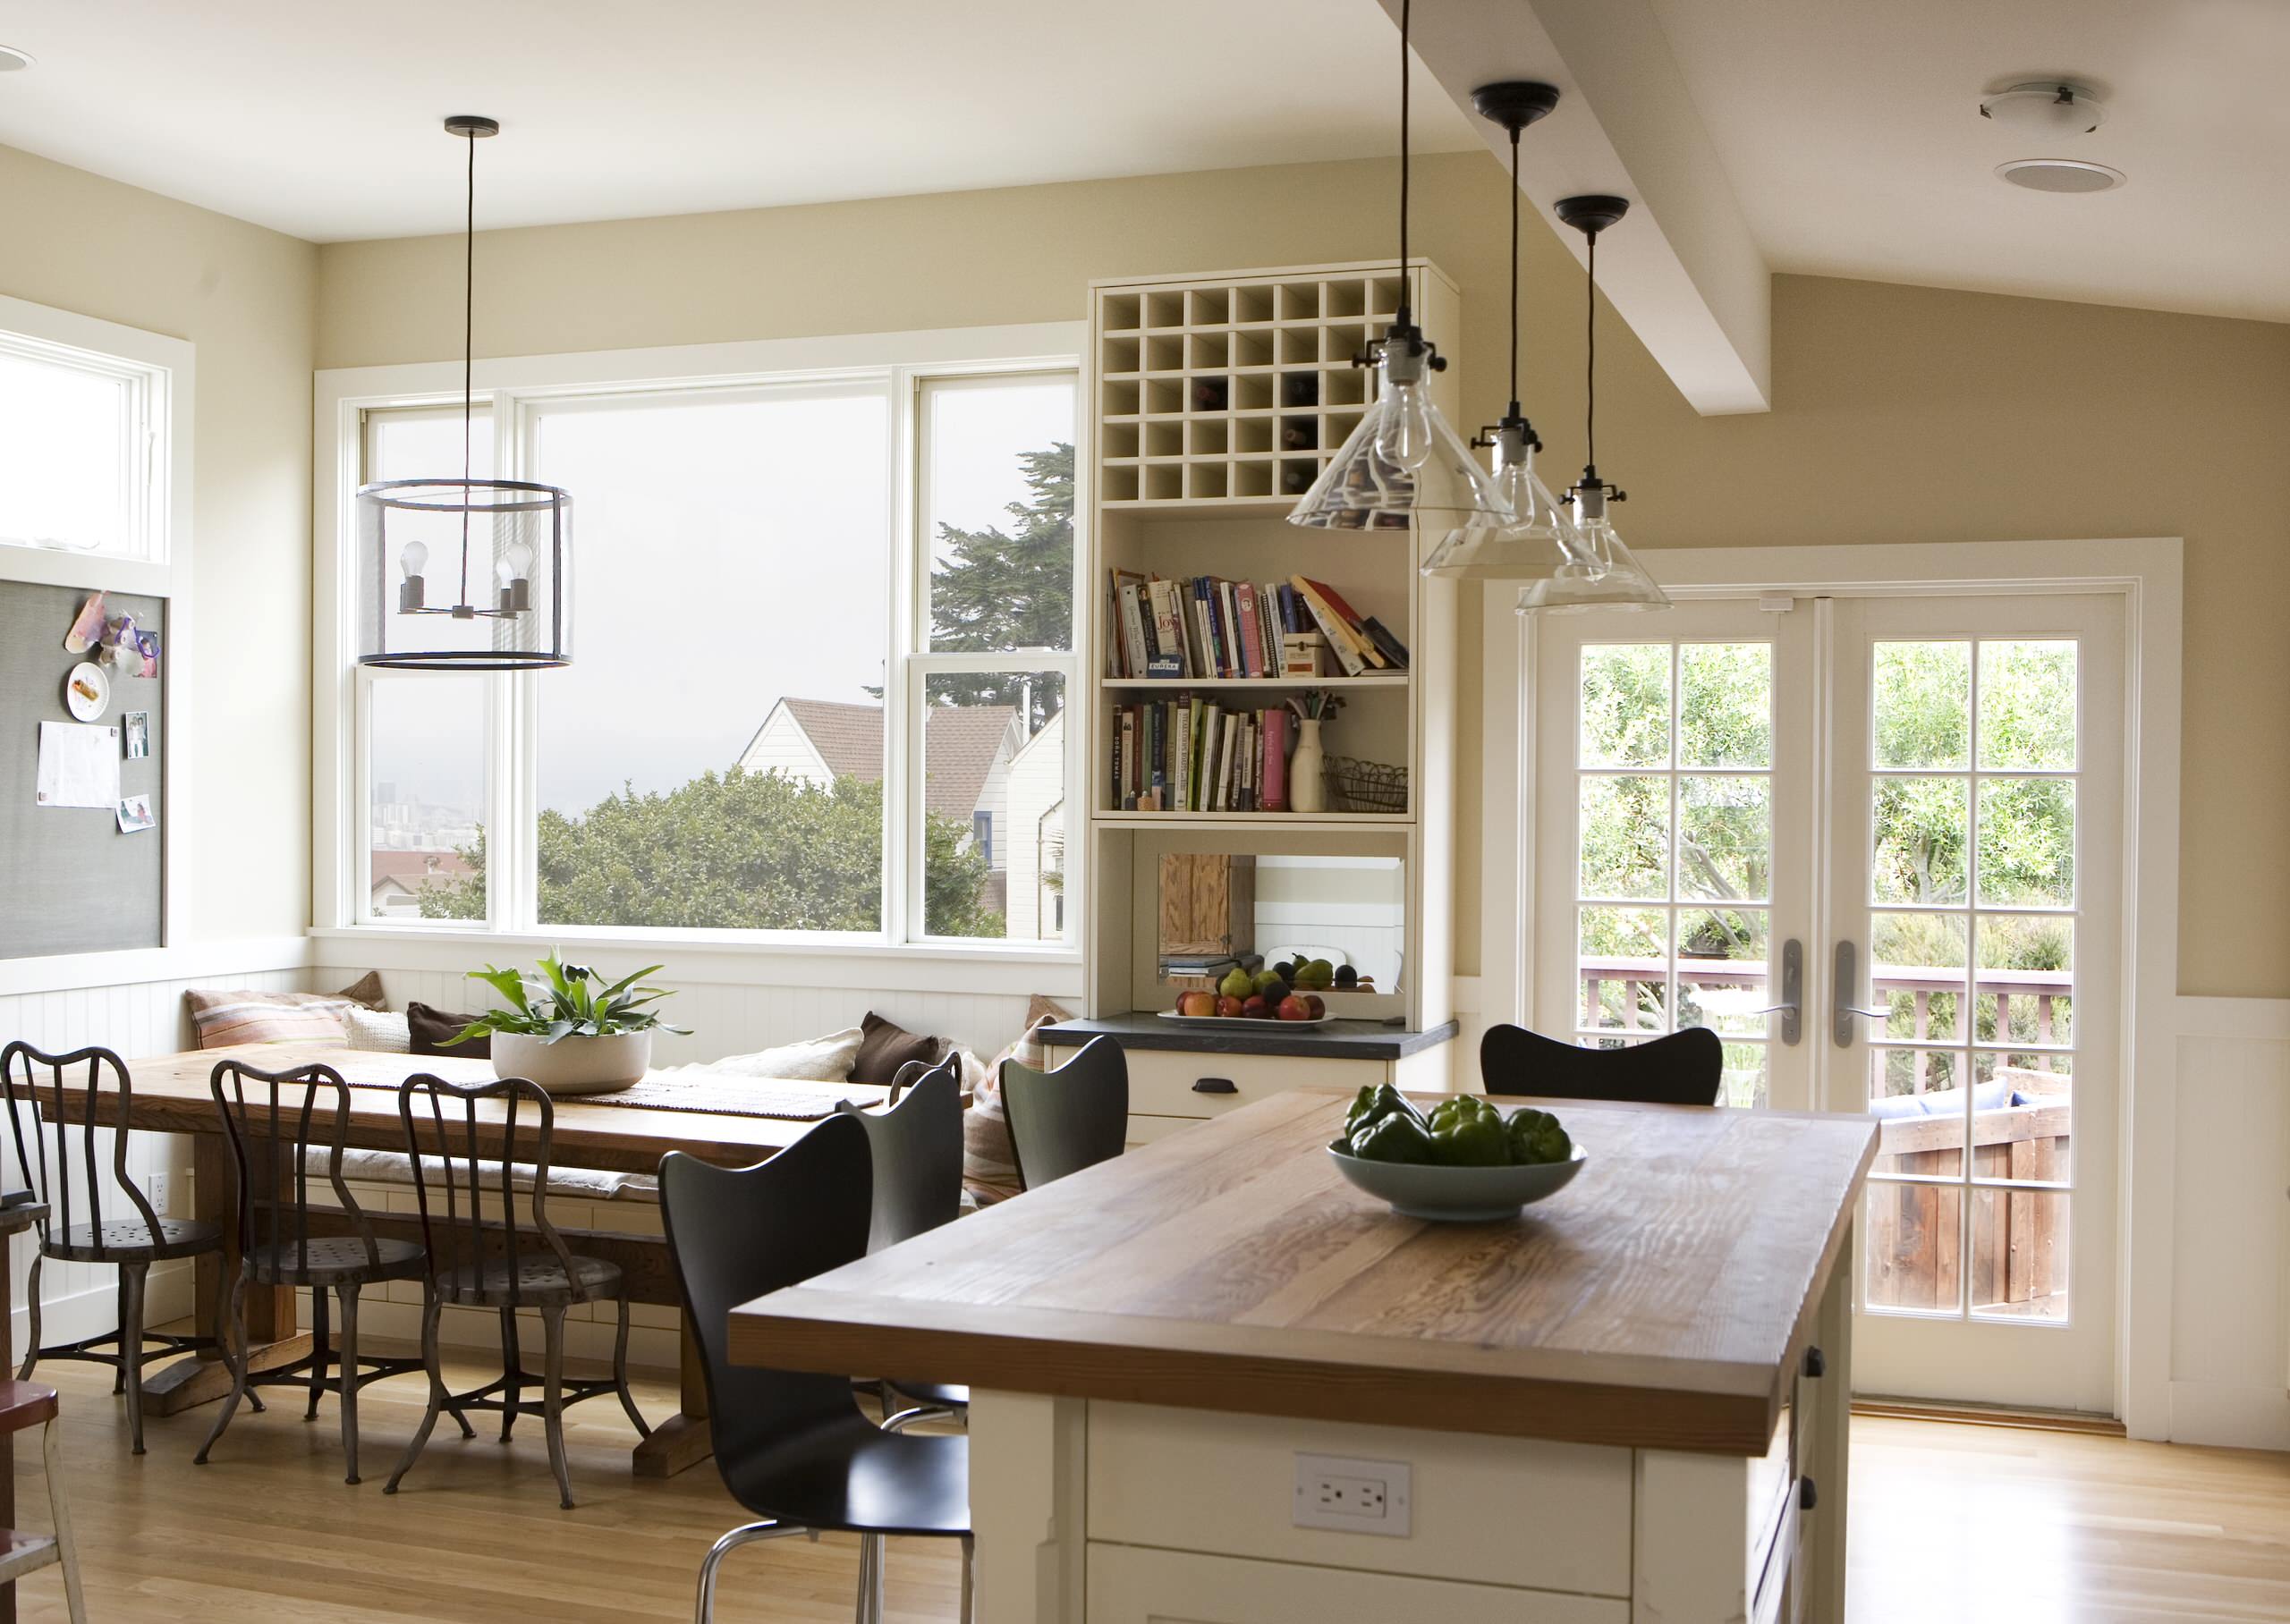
[1354,1496]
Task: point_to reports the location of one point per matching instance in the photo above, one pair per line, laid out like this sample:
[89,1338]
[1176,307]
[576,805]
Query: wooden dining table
[171,1094]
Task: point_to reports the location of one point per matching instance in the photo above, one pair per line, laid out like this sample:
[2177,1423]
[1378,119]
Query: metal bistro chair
[795,1448]
[274,1139]
[1074,1117]
[490,1262]
[1684,1068]
[132,1243]
[917,1152]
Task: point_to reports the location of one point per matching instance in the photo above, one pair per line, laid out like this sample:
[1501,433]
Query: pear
[1238,984]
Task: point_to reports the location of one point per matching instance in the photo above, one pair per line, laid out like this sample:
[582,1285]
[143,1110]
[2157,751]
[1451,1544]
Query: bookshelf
[1217,398]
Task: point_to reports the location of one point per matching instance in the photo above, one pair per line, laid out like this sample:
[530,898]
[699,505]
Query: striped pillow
[990,1165]
[248,1016]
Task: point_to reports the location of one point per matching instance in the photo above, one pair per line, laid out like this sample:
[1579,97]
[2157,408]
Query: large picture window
[824,635]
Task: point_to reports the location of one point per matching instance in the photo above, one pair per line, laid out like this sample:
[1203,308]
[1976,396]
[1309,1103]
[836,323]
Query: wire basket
[1365,786]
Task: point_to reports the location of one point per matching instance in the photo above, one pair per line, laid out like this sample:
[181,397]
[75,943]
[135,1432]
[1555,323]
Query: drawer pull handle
[1816,1363]
[1215,1084]
[1807,1496]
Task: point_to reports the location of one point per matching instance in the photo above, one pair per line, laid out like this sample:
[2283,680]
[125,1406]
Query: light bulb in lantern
[1404,418]
[411,560]
[513,571]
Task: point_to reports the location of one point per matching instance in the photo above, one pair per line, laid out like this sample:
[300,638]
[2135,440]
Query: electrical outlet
[1355,1496]
[155,1186]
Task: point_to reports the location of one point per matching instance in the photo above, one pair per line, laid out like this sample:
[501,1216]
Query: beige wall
[246,297]
[1902,414]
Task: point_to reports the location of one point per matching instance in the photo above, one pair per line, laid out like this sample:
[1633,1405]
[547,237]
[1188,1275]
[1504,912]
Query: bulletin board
[71,881]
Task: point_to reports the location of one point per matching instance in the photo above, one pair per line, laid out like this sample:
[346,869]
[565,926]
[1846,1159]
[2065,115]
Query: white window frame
[901,362]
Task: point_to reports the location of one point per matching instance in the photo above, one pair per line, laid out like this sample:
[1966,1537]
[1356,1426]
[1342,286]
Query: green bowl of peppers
[1466,1161]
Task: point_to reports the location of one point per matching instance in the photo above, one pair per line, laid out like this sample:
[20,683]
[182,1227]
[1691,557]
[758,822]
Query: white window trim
[2148,575]
[904,360]
[166,573]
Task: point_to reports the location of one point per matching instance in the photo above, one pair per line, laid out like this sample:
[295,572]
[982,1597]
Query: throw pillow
[989,1166]
[428,1029]
[884,1046]
[221,1017]
[818,1060]
[376,1031]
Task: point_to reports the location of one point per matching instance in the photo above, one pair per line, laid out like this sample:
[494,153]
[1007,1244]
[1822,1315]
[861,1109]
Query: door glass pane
[2027,706]
[1917,1097]
[1626,704]
[1916,969]
[1625,834]
[1745,1084]
[1724,838]
[998,498]
[1624,962]
[2026,979]
[993,804]
[1923,828]
[1726,705]
[1923,704]
[2019,1255]
[1915,1248]
[1724,981]
[426,755]
[2027,842]
[2024,1126]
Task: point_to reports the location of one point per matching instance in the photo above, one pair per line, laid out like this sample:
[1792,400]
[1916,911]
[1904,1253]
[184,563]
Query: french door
[1875,844]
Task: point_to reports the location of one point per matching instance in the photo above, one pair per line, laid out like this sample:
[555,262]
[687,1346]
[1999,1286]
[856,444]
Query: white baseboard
[2230,1415]
[73,1317]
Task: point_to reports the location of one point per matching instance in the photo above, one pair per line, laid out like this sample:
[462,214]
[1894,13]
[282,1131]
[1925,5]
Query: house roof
[414,870]
[960,743]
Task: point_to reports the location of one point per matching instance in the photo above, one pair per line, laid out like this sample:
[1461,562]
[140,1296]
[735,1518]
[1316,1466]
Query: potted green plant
[567,1030]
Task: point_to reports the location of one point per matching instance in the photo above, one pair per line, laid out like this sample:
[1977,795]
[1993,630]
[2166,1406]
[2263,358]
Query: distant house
[1035,847]
[399,878]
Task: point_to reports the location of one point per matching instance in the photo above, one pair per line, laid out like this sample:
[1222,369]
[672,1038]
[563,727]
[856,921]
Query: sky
[725,554]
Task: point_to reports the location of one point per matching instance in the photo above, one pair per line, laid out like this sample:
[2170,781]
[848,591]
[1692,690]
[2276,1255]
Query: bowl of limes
[1466,1161]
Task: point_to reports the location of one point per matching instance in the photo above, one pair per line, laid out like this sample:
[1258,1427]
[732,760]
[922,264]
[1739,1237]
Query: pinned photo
[136,725]
[135,813]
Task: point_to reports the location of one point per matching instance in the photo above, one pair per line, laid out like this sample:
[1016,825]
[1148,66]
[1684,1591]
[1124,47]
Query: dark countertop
[1338,1040]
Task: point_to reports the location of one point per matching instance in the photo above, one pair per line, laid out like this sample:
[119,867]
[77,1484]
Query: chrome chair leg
[705,1611]
[905,1419]
[870,1579]
[969,1578]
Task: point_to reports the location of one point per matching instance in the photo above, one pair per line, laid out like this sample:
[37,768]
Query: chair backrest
[918,1152]
[36,1119]
[1684,1068]
[272,1136]
[1073,1117]
[450,1175]
[738,1233]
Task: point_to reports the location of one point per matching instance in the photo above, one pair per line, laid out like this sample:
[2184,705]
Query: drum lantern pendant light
[502,598]
[1541,538]
[1402,460]
[1602,573]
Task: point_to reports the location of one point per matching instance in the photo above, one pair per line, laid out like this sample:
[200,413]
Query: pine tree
[996,591]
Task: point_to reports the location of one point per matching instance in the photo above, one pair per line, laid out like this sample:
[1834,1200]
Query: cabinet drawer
[1225,1484]
[1167,1082]
[1129,1585]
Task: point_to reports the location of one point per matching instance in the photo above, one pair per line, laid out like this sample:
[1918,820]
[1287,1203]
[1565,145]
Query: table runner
[708,1095]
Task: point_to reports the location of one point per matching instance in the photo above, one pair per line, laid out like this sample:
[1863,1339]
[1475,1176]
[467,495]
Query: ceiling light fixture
[14,60]
[1539,539]
[1402,461]
[2046,106]
[515,536]
[1604,574]
[2060,175]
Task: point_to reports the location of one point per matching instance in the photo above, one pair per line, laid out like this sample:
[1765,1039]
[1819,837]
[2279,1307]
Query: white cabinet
[1169,1088]
[1134,1585]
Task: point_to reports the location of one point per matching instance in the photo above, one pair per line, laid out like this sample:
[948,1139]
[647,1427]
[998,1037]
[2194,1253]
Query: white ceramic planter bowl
[574,1065]
[1458,1195]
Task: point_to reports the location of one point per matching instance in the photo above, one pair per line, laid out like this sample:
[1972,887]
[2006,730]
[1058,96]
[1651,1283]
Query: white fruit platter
[1258,1021]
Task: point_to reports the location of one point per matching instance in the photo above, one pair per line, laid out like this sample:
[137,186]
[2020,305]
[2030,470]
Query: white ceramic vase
[574,1065]
[1307,783]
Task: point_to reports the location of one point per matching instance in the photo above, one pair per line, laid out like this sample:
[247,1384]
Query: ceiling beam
[1683,269]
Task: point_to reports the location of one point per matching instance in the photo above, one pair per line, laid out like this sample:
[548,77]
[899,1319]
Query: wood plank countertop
[1663,1300]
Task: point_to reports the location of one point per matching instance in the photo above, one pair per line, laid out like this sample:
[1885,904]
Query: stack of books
[1190,754]
[1203,626]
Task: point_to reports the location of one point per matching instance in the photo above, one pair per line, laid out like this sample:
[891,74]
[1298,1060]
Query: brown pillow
[884,1046]
[427,1030]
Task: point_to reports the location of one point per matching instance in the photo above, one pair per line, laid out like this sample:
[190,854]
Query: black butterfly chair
[917,1159]
[1684,1068]
[1074,1117]
[793,1447]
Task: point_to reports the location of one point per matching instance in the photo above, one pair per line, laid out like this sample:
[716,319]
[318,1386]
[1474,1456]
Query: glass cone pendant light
[1539,539]
[1599,571]
[1402,461]
[501,600]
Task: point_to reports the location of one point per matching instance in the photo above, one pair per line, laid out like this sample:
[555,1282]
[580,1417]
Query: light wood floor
[1954,1523]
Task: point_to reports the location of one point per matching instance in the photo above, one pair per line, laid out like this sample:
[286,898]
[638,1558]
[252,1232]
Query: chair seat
[336,1260]
[851,1476]
[937,1395]
[129,1241]
[539,1280]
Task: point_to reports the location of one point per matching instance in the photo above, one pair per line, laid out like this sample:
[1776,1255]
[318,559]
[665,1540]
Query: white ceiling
[1852,137]
[321,118]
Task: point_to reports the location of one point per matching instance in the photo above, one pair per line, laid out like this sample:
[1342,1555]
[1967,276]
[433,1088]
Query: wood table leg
[681,1440]
[272,1338]
[1832,1404]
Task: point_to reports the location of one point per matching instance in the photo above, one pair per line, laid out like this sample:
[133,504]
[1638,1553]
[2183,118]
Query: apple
[1229,1007]
[1255,1008]
[1316,1004]
[1198,1002]
[1293,1008]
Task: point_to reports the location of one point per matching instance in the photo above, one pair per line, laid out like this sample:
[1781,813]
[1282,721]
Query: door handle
[1841,987]
[1792,1007]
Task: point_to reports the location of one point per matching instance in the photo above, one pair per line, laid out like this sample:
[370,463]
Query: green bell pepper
[1399,1135]
[1536,1137]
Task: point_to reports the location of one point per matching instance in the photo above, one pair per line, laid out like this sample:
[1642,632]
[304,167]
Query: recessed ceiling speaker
[2046,106]
[14,60]
[2060,174]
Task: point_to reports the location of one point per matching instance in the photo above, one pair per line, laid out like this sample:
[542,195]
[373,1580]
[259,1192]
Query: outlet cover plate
[1354,1496]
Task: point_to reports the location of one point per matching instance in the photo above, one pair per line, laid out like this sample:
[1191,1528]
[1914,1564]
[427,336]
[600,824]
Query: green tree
[995,590]
[460,899]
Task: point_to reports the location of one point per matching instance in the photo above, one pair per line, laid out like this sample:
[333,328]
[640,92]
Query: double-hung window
[823,640]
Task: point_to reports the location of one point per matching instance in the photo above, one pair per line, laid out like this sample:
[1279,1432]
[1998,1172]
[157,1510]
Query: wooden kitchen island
[1627,1407]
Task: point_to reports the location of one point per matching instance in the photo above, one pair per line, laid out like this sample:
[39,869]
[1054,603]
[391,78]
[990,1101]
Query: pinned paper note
[135,813]
[86,626]
[78,766]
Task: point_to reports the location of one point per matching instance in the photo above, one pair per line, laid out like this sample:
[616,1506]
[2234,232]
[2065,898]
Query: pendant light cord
[1515,272]
[1590,367]
[469,350]
[1406,20]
